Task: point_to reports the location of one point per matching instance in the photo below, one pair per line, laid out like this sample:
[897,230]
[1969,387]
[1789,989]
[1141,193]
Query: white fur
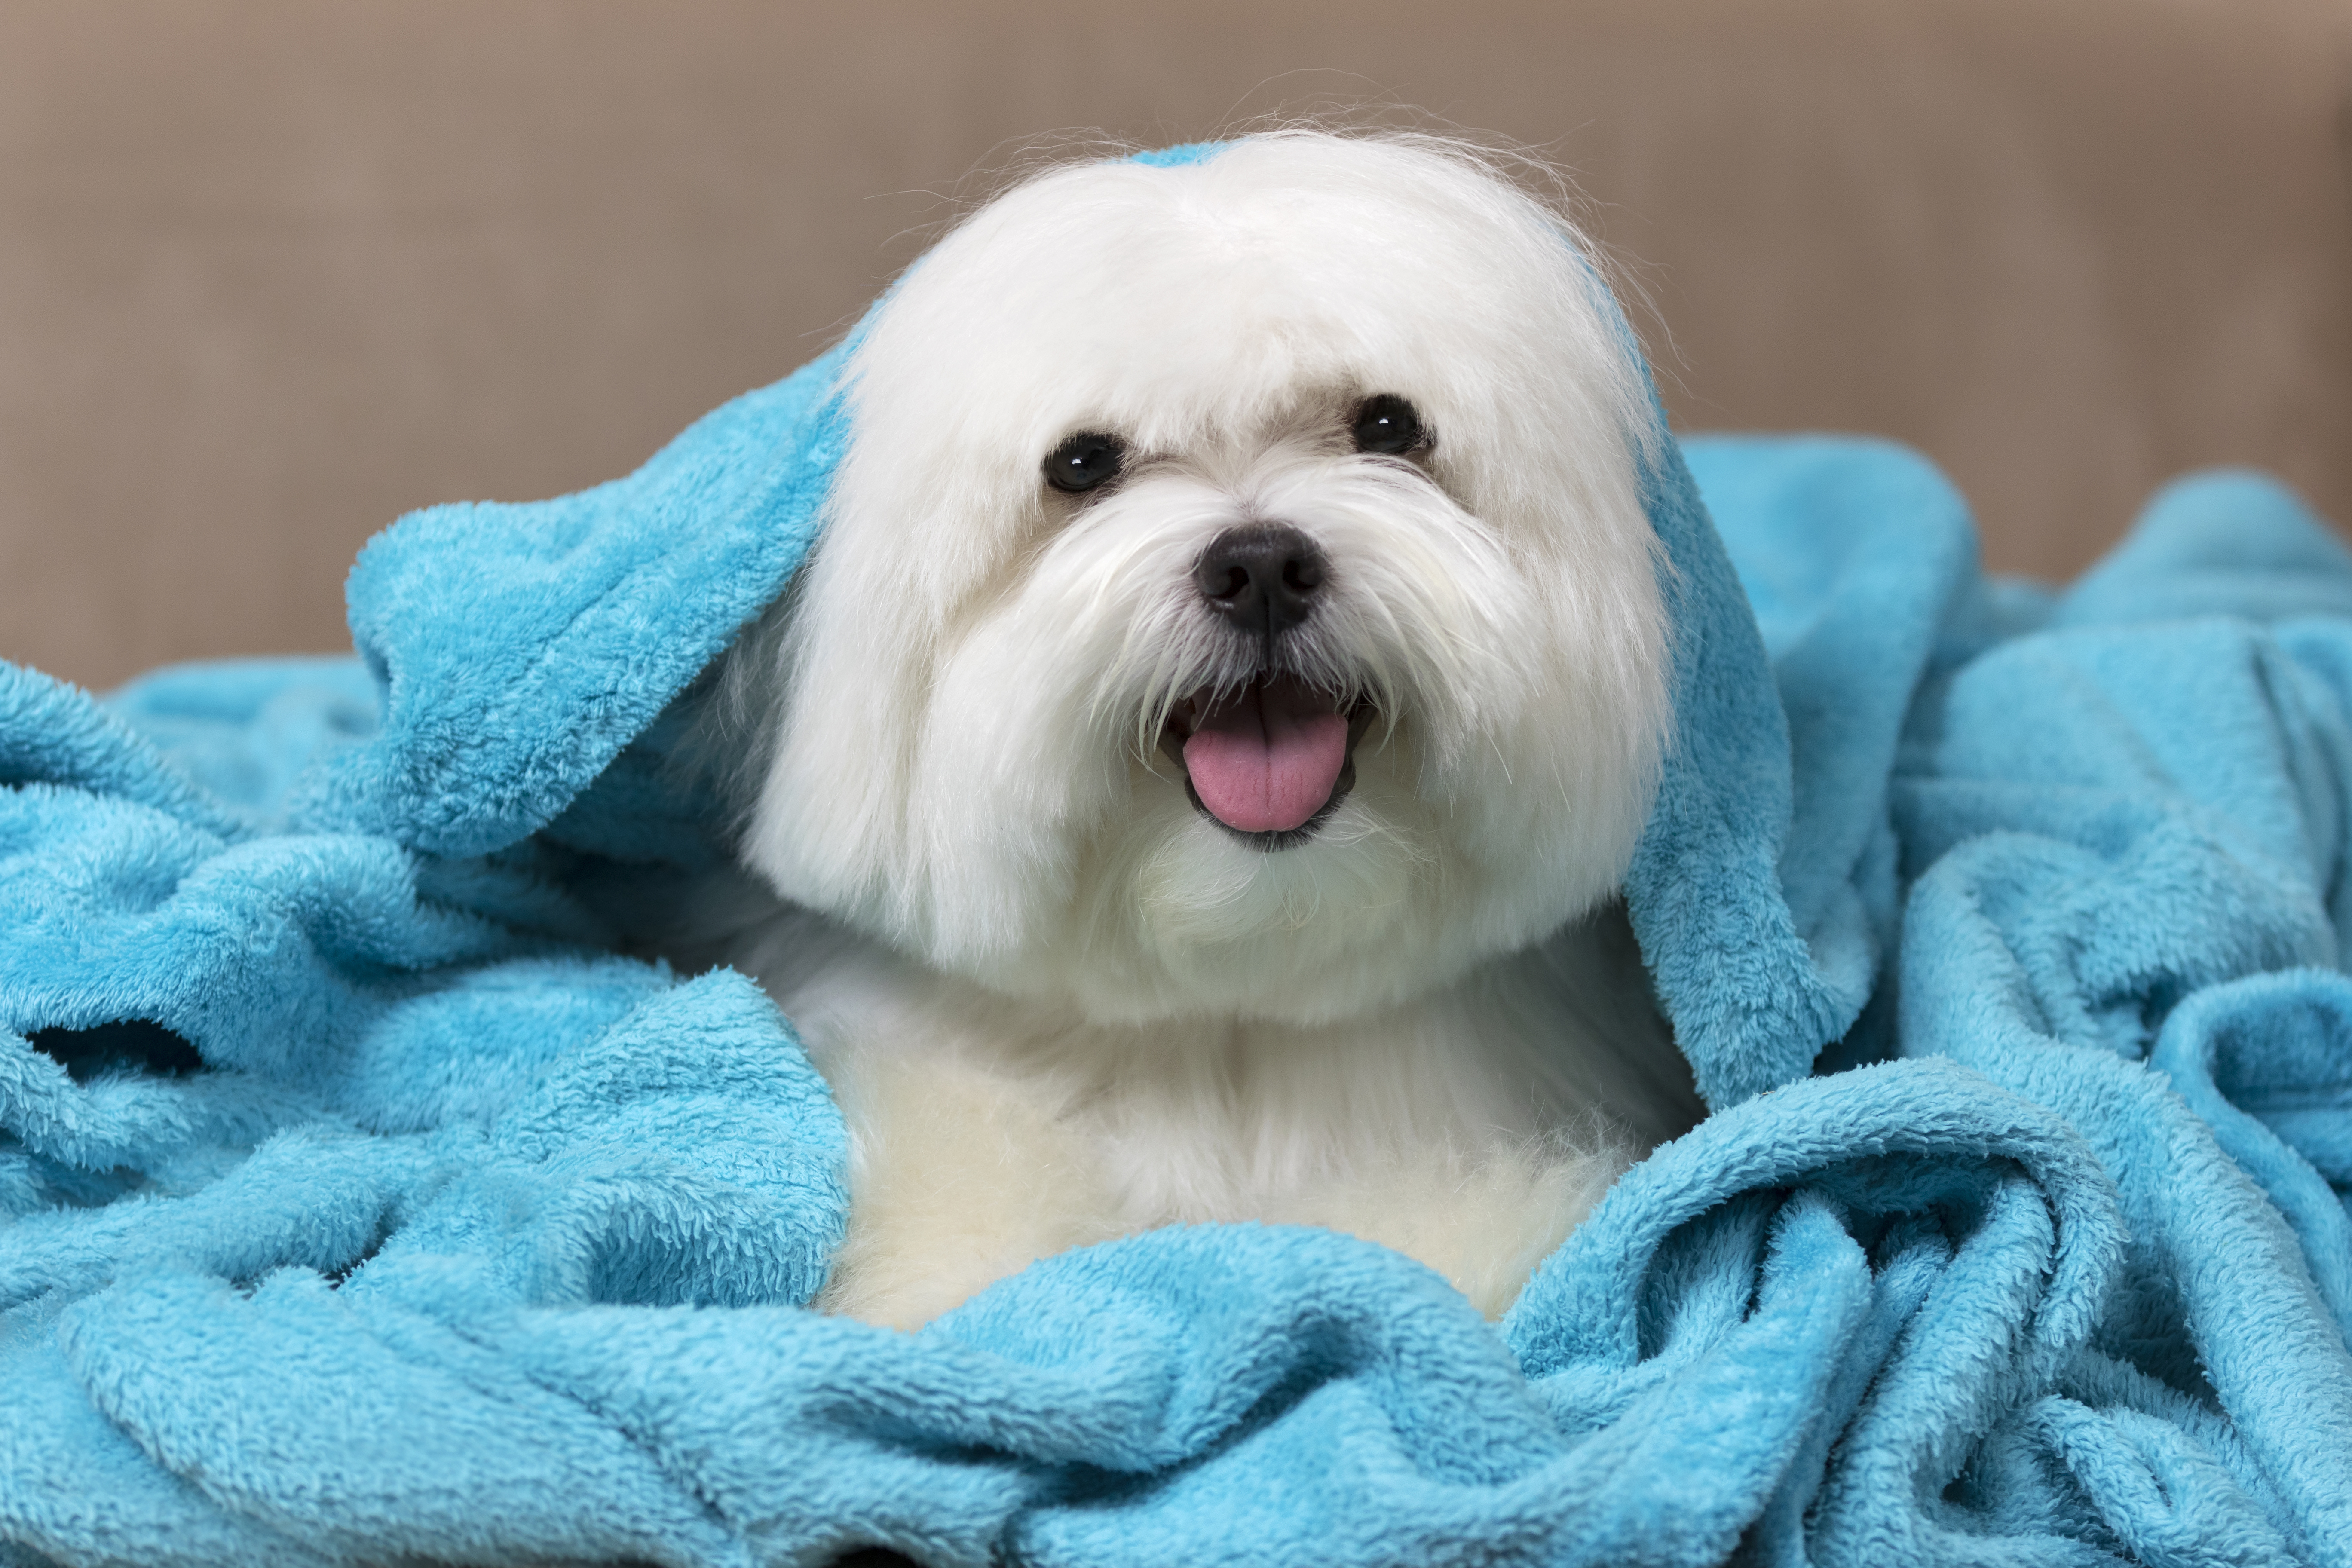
[1056,1003]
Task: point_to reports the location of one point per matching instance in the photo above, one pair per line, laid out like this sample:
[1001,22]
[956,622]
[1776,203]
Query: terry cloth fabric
[364,1206]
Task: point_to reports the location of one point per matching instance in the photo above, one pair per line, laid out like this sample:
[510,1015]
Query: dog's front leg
[957,1177]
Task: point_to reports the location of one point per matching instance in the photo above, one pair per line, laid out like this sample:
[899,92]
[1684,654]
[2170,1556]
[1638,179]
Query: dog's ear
[733,711]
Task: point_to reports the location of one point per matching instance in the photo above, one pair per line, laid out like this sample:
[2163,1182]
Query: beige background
[272,273]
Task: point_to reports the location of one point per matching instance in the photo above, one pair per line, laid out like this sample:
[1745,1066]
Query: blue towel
[365,1205]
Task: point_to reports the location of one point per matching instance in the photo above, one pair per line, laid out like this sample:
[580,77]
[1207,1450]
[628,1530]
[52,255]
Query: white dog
[1200,757]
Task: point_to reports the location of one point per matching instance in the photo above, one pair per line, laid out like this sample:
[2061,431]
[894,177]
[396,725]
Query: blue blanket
[364,1205]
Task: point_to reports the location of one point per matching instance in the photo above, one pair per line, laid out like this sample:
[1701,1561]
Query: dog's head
[1236,596]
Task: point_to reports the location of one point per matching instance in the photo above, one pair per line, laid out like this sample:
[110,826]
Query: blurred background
[273,273]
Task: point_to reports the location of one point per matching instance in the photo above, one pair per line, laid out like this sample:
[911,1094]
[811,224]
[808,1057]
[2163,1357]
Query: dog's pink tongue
[1265,761]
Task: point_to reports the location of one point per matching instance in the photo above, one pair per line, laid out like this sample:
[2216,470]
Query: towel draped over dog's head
[1518,600]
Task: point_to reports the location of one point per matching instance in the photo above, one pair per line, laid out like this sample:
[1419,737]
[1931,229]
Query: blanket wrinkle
[473,1240]
[2264,1060]
[606,605]
[2171,857]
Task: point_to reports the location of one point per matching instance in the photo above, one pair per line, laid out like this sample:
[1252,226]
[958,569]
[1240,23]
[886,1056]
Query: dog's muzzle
[1270,761]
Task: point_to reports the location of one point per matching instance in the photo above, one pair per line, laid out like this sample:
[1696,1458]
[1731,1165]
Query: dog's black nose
[1263,578]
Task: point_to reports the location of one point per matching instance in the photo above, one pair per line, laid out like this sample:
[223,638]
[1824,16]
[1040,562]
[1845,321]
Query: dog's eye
[1387,424]
[1084,461]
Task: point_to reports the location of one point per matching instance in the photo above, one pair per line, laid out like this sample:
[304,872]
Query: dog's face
[1236,599]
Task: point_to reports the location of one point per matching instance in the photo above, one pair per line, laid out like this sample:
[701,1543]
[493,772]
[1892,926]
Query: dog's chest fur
[987,1132]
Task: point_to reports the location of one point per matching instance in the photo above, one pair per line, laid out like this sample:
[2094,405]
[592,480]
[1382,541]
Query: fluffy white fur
[1058,1003]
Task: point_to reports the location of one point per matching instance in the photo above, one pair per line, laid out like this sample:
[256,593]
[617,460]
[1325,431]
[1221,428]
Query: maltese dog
[1199,759]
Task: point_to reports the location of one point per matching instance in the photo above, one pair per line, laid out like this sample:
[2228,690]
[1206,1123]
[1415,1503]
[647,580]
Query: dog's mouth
[1269,763]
